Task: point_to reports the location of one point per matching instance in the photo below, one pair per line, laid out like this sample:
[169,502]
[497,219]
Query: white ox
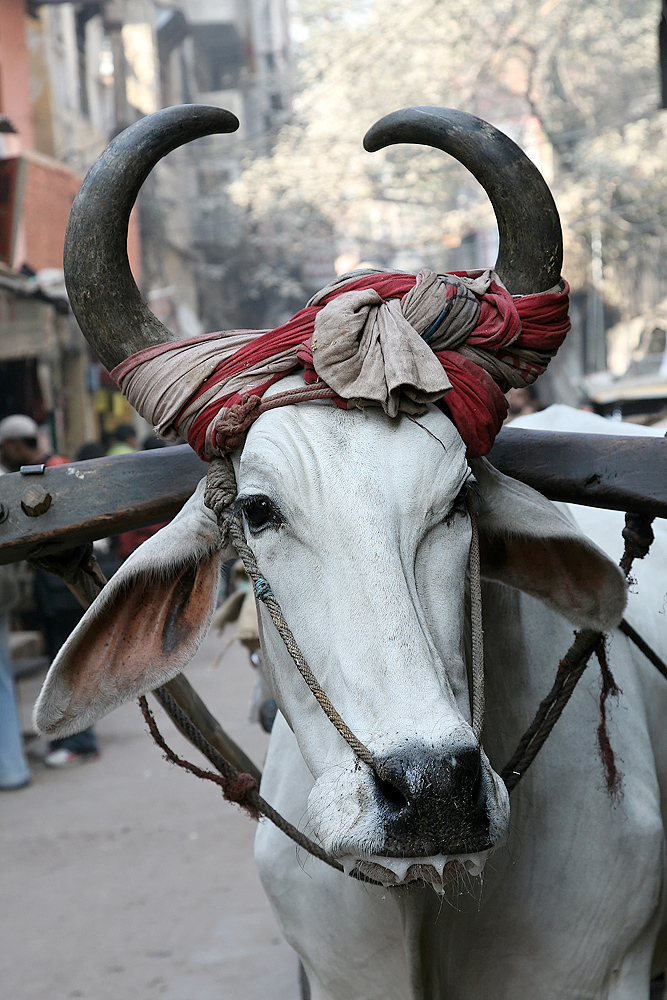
[359,524]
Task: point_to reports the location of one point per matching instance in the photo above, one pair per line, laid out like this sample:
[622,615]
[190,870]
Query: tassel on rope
[608,688]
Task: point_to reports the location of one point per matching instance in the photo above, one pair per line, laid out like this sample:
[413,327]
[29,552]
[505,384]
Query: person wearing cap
[14,769]
[19,444]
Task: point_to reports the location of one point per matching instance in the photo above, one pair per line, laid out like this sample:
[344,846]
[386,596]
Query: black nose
[433,804]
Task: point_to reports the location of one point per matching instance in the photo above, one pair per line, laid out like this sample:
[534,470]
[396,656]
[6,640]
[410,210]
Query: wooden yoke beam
[81,502]
[93,499]
[617,472]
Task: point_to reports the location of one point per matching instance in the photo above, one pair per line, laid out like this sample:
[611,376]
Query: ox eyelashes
[460,505]
[259,513]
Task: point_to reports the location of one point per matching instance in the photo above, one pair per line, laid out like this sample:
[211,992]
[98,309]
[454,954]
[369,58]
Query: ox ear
[142,629]
[528,542]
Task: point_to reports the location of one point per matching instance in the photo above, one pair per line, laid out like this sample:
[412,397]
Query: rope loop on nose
[220,495]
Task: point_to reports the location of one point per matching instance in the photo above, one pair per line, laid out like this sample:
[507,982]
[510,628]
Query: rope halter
[219,496]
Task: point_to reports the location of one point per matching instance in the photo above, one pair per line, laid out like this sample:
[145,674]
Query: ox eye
[460,505]
[260,512]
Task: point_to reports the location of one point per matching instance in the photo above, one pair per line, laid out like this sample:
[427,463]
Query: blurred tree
[576,81]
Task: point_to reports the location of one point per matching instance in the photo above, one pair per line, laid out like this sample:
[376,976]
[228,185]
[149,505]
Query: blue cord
[263,589]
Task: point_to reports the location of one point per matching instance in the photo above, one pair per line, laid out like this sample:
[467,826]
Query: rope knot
[638,536]
[232,423]
[240,789]
[220,491]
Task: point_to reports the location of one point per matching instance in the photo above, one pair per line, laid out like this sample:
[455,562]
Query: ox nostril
[390,793]
[393,784]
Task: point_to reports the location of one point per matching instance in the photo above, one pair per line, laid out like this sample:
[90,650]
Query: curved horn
[104,297]
[530,254]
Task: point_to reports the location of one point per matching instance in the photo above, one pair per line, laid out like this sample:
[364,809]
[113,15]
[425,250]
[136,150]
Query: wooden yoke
[614,471]
[69,505]
[84,501]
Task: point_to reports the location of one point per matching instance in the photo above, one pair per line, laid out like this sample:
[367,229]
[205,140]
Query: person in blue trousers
[14,770]
[59,613]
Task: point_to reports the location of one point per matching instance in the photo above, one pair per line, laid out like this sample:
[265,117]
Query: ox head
[361,524]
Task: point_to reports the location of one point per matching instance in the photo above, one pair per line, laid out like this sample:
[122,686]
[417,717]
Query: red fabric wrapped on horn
[399,341]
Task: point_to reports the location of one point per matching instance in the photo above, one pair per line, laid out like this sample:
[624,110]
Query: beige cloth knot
[367,351]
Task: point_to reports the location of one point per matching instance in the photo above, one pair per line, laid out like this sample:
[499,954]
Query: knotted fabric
[399,341]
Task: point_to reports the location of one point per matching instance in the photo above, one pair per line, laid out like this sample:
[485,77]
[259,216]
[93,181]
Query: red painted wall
[50,189]
[50,186]
[14,74]
[49,192]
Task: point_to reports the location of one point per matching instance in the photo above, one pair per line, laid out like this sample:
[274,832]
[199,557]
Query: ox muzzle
[430,805]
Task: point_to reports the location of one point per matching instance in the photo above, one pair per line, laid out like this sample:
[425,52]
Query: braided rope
[638,536]
[219,496]
[477,631]
[302,394]
[237,786]
[476,627]
[570,669]
[243,789]
[227,431]
[267,597]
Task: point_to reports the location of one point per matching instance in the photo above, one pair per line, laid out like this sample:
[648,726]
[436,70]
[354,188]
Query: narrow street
[128,879]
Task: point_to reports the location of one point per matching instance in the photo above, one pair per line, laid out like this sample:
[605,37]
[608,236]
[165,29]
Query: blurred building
[633,386]
[72,75]
[232,54]
[235,54]
[56,113]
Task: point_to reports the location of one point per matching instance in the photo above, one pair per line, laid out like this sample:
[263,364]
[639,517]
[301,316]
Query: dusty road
[127,879]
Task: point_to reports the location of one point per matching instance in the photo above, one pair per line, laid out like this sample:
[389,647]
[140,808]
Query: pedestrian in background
[14,770]
[125,440]
[19,444]
[59,614]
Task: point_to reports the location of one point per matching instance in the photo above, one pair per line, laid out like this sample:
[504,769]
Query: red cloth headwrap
[510,343]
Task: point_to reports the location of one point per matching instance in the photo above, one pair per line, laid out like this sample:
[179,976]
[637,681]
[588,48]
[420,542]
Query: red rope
[236,787]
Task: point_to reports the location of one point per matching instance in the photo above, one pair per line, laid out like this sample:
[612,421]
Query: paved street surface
[128,879]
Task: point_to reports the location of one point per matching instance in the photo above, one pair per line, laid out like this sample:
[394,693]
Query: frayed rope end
[608,688]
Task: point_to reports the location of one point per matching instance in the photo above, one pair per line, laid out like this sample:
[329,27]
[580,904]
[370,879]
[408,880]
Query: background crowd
[35,600]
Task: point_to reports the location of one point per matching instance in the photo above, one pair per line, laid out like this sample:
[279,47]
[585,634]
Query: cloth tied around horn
[388,339]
